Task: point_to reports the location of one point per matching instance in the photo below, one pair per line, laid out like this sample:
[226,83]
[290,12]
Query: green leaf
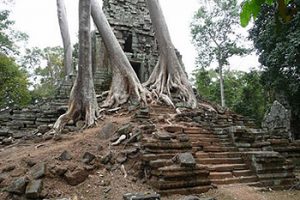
[246,13]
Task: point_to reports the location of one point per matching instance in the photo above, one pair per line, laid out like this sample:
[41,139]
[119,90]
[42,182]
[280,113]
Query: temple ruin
[221,147]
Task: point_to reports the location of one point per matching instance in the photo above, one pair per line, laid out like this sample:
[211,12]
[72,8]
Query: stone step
[206,161]
[273,183]
[246,172]
[218,149]
[273,176]
[160,163]
[167,145]
[186,191]
[219,154]
[220,175]
[149,157]
[242,179]
[205,139]
[196,130]
[168,151]
[164,185]
[183,174]
[227,167]
[202,144]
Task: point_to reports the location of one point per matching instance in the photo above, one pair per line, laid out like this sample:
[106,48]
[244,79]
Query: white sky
[38,18]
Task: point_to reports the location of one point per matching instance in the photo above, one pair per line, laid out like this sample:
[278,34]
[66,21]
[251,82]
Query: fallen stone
[4,132]
[106,158]
[107,130]
[198,198]
[33,189]
[138,196]
[2,177]
[38,171]
[65,156]
[7,141]
[8,168]
[18,186]
[18,172]
[29,162]
[88,158]
[186,160]
[43,129]
[163,136]
[58,170]
[76,177]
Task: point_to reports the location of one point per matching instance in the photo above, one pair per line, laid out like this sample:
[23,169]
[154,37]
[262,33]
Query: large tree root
[164,81]
[75,112]
[125,88]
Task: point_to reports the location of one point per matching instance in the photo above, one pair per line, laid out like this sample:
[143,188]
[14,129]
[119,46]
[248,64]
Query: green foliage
[13,84]
[243,91]
[278,46]
[251,9]
[213,31]
[47,67]
[9,37]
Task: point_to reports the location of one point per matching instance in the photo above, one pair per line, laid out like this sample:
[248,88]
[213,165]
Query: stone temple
[131,23]
[223,147]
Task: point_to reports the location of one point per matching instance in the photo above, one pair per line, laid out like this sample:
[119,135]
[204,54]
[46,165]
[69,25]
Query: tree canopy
[278,47]
[215,37]
[243,91]
[13,84]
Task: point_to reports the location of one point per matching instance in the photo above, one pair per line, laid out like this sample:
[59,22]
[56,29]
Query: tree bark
[64,30]
[221,85]
[168,75]
[83,102]
[125,83]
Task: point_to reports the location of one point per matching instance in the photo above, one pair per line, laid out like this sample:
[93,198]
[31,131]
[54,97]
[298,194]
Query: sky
[38,18]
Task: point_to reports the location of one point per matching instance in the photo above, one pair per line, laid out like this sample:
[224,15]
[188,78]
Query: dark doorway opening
[137,69]
[128,44]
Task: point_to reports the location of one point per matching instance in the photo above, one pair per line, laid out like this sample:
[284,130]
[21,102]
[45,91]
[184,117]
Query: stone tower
[131,23]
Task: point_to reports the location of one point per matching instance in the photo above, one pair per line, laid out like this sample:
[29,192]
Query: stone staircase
[218,159]
[218,154]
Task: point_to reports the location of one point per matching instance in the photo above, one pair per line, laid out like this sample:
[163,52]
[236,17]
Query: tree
[64,30]
[168,75]
[214,35]
[125,83]
[244,92]
[82,102]
[278,47]
[13,84]
[8,36]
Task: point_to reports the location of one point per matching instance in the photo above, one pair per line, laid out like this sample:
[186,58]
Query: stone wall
[130,21]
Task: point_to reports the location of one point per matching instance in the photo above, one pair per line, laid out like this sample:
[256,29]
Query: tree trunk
[168,75]
[83,102]
[64,30]
[221,85]
[125,83]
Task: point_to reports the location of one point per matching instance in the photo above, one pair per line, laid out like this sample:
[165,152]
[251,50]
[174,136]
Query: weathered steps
[187,190]
[242,179]
[210,161]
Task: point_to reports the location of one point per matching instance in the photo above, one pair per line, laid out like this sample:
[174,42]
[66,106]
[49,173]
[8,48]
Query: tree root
[123,89]
[164,81]
[75,111]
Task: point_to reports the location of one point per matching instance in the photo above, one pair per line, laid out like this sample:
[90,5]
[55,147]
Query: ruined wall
[131,23]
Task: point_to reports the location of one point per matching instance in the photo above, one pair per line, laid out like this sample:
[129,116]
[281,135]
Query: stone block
[139,196]
[33,189]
